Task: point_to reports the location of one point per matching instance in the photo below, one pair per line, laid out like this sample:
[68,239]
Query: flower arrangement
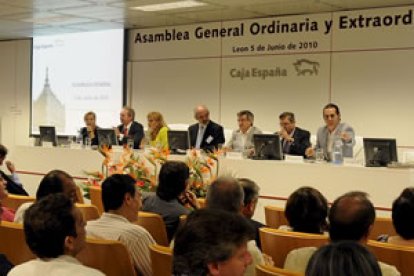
[142,167]
[203,170]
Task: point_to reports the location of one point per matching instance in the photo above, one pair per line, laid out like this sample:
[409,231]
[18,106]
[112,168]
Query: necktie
[286,146]
[199,137]
[125,131]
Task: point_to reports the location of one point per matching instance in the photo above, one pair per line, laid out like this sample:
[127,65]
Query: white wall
[366,71]
[15,92]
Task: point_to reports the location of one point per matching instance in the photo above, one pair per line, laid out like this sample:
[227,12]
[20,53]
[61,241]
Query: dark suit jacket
[213,130]
[301,142]
[136,131]
[12,187]
[84,133]
[256,226]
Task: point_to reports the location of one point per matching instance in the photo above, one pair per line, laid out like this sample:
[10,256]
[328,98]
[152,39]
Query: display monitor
[178,141]
[48,134]
[379,152]
[267,147]
[106,136]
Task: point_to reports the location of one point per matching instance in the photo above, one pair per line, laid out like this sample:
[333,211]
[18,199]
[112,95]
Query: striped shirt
[135,238]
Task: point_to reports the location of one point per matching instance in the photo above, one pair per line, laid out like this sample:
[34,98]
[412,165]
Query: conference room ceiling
[28,18]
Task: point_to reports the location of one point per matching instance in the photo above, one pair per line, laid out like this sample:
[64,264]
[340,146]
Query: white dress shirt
[63,265]
[135,238]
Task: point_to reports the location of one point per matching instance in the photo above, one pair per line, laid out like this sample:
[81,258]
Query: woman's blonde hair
[157,116]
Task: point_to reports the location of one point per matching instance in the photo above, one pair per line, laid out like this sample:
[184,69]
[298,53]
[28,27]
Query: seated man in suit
[251,197]
[332,133]
[242,138]
[129,129]
[55,233]
[227,194]
[206,134]
[14,186]
[295,140]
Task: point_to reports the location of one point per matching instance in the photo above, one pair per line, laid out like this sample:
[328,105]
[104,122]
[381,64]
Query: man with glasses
[332,133]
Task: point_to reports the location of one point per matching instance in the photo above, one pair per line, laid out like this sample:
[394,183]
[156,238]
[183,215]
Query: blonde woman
[157,130]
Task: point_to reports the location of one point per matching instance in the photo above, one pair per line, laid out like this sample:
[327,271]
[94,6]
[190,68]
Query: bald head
[351,217]
[226,194]
[202,114]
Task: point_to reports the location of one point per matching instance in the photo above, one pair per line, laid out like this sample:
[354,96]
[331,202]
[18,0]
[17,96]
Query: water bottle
[337,157]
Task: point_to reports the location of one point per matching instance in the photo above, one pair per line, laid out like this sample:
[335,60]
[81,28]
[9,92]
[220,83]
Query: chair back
[278,243]
[267,270]
[110,257]
[14,201]
[275,216]
[402,257]
[89,211]
[161,260]
[96,198]
[79,195]
[382,226]
[155,225]
[13,243]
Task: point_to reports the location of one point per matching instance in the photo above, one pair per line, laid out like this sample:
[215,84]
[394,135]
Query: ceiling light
[169,6]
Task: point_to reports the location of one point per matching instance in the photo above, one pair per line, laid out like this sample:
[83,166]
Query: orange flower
[140,183]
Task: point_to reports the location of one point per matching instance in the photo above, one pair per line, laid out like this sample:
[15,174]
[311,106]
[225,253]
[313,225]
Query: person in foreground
[53,182]
[402,219]
[129,129]
[122,201]
[212,242]
[306,211]
[334,132]
[205,134]
[225,193]
[251,197]
[6,214]
[55,233]
[168,201]
[14,186]
[90,131]
[346,258]
[351,218]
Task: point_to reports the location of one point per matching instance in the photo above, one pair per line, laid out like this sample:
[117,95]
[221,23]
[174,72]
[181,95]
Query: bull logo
[305,66]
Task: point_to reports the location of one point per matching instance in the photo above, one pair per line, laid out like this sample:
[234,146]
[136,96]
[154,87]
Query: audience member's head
[403,214]
[344,258]
[306,210]
[3,153]
[57,181]
[120,196]
[225,193]
[251,196]
[351,217]
[212,242]
[54,227]
[172,180]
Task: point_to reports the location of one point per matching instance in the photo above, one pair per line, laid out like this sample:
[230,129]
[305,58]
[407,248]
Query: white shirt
[64,265]
[134,237]
[18,216]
